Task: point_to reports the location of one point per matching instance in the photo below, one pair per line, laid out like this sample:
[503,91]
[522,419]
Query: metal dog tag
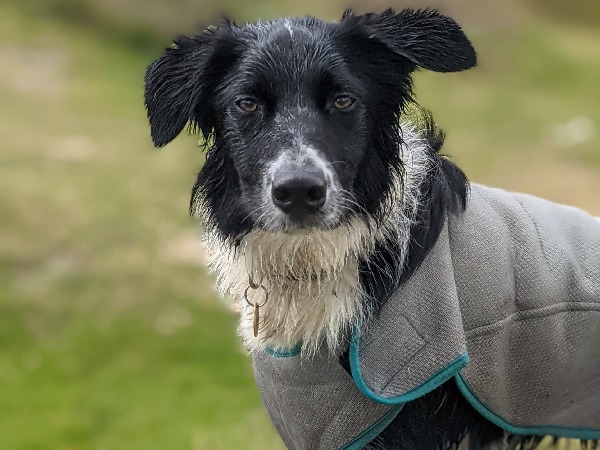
[256,318]
[255,305]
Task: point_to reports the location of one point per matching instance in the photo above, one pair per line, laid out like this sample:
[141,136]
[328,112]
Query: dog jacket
[507,303]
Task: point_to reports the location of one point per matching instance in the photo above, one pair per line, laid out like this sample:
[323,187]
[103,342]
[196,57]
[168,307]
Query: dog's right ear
[179,84]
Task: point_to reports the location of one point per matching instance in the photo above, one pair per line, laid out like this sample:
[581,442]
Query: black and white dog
[315,187]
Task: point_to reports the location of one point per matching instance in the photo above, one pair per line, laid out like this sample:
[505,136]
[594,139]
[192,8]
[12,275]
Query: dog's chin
[301,224]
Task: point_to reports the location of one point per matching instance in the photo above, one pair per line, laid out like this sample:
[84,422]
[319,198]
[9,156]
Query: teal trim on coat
[283,352]
[427,386]
[541,430]
[373,431]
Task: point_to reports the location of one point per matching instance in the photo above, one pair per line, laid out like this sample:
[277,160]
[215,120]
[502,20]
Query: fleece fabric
[507,303]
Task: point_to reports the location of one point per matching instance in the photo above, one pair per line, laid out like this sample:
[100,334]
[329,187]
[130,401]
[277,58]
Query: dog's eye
[247,105]
[343,102]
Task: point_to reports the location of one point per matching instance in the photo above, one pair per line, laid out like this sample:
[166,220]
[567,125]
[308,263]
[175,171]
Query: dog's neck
[312,277]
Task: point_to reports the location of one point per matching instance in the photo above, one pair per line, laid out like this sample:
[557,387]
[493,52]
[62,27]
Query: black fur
[443,192]
[293,69]
[370,57]
[449,419]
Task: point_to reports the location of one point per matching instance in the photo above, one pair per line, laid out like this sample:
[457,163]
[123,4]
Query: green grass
[507,119]
[111,336]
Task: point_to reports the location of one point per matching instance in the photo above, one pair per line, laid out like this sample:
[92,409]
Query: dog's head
[302,115]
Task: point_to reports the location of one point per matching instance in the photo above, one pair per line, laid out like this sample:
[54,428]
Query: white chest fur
[311,276]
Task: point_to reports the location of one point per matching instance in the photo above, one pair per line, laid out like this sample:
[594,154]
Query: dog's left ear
[424,37]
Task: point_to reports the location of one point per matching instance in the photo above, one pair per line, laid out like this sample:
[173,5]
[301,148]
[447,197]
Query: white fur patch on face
[311,276]
[310,154]
[268,216]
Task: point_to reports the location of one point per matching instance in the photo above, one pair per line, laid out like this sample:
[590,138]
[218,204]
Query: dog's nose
[299,193]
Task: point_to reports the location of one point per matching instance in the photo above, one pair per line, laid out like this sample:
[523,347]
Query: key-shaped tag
[256,318]
[255,305]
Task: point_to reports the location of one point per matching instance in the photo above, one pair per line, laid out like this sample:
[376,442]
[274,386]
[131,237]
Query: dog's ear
[179,84]
[424,37]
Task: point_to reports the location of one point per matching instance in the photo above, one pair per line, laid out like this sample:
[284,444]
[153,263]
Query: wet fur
[324,280]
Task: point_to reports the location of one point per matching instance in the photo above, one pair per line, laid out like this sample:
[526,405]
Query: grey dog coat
[507,303]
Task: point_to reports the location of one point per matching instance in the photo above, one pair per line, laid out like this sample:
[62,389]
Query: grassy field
[111,336]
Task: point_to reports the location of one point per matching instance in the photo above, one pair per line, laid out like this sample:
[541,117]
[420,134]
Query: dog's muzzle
[299,193]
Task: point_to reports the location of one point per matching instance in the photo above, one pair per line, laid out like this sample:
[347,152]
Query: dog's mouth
[300,223]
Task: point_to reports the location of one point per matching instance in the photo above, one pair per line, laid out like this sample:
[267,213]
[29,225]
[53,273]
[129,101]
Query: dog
[321,202]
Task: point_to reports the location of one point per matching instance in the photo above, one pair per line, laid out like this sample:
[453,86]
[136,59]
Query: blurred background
[111,336]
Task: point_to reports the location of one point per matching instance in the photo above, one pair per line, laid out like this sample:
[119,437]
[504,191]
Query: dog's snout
[299,193]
